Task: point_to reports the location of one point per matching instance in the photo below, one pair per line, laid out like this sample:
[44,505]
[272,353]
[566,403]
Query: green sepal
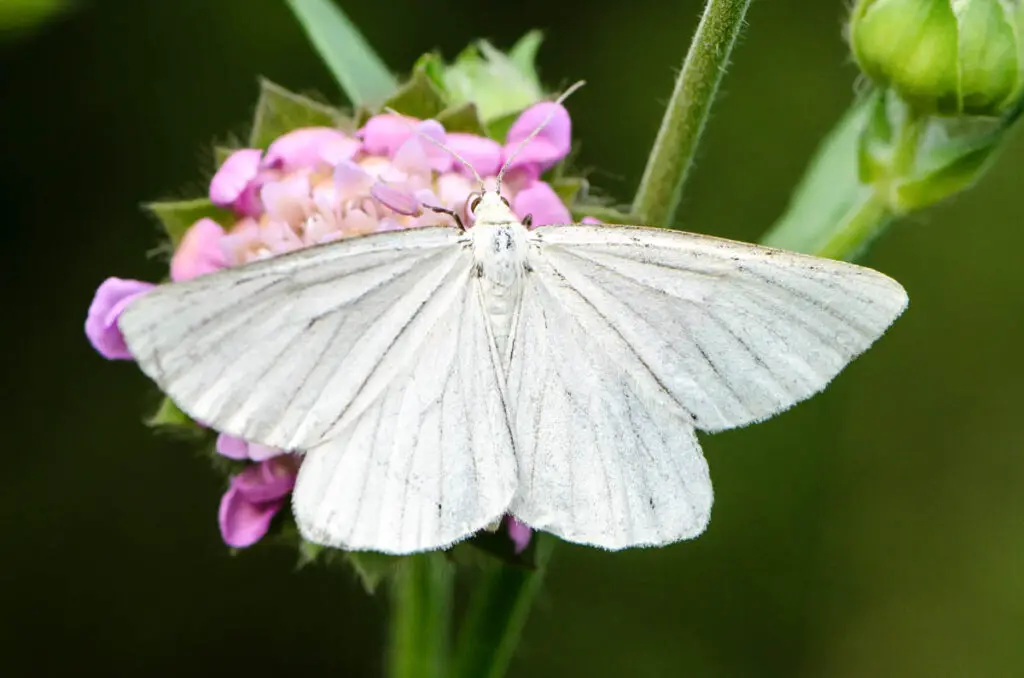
[279,111]
[463,118]
[570,189]
[498,127]
[373,567]
[169,416]
[177,217]
[419,96]
[523,55]
[222,153]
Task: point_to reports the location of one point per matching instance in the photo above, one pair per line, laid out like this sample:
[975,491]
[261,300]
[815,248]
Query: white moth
[437,378]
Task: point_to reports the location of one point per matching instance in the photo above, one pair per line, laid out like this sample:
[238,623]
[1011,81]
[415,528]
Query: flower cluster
[318,184]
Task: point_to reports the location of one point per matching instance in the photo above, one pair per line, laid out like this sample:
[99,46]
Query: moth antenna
[437,143]
[537,130]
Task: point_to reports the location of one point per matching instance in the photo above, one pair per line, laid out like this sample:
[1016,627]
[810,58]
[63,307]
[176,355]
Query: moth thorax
[500,251]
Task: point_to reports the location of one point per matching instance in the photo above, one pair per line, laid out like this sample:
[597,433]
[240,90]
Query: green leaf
[176,217]
[373,567]
[830,188]
[361,74]
[463,118]
[279,111]
[418,97]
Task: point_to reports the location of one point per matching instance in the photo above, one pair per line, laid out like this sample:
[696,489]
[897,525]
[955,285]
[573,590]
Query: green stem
[661,187]
[860,226]
[421,597]
[497,613]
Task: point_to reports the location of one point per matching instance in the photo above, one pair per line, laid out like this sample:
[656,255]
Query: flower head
[315,185]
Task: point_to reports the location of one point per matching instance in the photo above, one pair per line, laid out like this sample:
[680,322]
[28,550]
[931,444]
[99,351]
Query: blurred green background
[877,530]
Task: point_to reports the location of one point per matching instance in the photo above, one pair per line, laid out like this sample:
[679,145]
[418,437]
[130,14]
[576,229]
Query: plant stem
[497,613]
[859,228]
[420,616]
[669,163]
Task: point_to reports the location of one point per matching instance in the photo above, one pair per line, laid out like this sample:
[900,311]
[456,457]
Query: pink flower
[199,251]
[310,146]
[112,297]
[236,448]
[543,203]
[234,185]
[519,534]
[548,147]
[253,499]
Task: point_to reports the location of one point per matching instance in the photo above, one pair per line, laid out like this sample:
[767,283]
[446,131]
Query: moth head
[489,206]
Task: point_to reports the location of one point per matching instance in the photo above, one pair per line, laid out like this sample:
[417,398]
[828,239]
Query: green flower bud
[950,57]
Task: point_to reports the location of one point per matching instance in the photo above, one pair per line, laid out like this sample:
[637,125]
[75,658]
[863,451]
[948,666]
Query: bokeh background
[876,530]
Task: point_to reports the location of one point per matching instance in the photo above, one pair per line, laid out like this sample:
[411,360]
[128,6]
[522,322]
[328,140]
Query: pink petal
[268,480]
[287,199]
[541,201]
[519,534]
[308,147]
[383,134]
[259,452]
[232,447]
[398,198]
[482,153]
[199,251]
[591,220]
[234,183]
[549,146]
[243,522]
[351,180]
[111,298]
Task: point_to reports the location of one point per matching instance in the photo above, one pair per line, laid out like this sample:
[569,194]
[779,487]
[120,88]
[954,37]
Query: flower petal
[268,480]
[309,147]
[398,198]
[232,447]
[234,183]
[383,134]
[519,534]
[485,155]
[199,251]
[549,146]
[111,298]
[243,522]
[541,201]
[288,198]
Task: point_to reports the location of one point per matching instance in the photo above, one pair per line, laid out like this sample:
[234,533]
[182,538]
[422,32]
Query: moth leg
[452,213]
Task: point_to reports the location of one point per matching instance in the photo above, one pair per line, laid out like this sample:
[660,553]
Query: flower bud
[950,57]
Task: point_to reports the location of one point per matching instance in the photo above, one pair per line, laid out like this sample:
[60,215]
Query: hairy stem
[661,187]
